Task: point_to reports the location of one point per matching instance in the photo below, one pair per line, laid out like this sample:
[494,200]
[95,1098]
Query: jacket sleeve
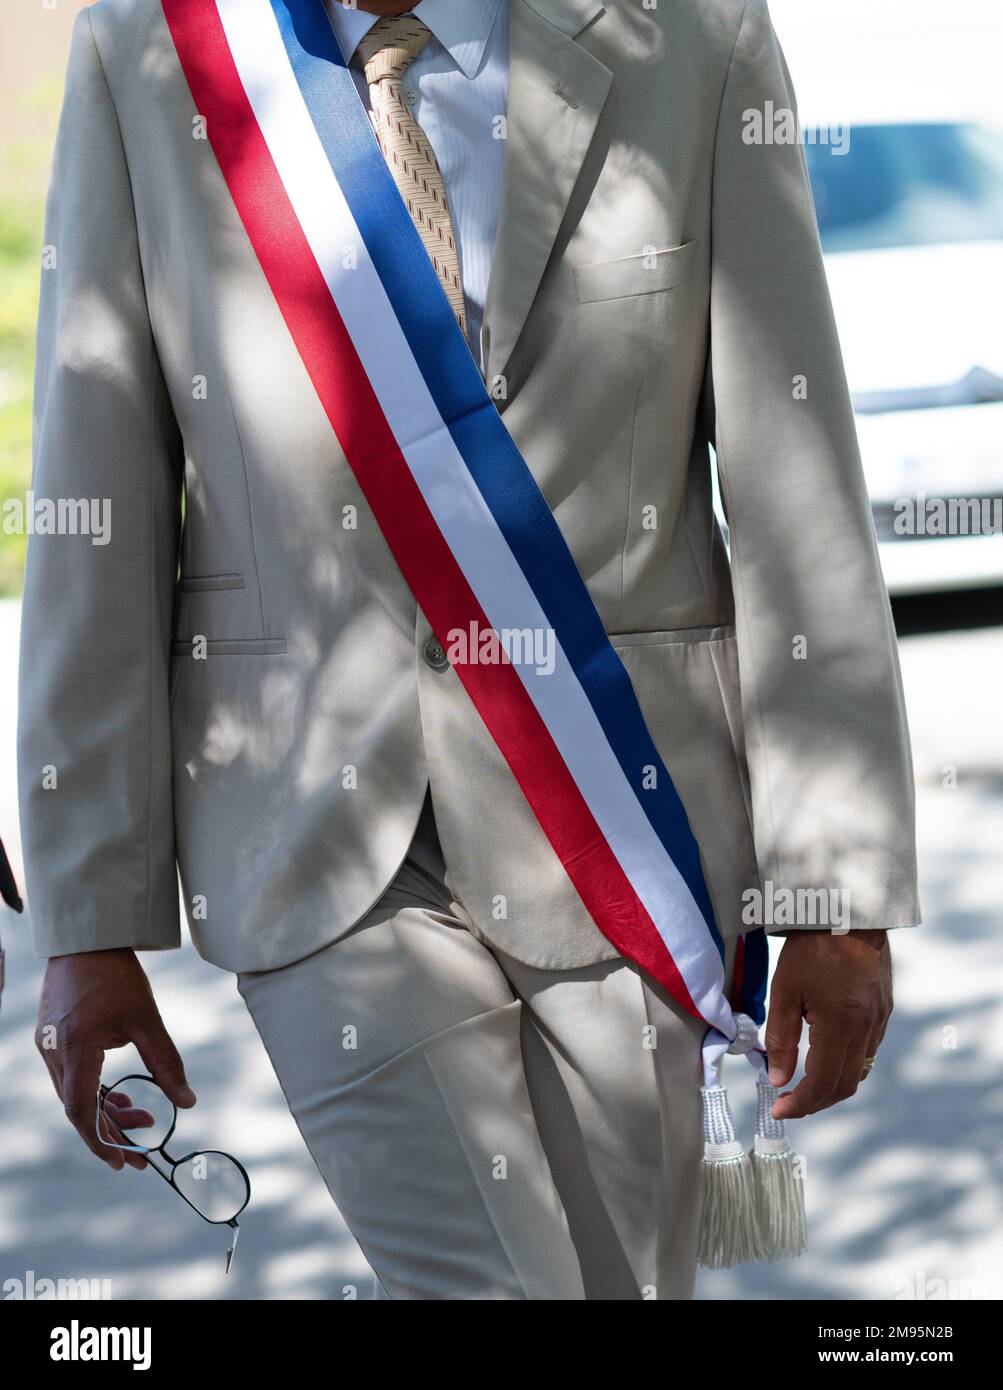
[94,763]
[827,740]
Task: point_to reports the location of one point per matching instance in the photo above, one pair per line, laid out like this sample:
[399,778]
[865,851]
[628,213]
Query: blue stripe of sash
[755,969]
[460,396]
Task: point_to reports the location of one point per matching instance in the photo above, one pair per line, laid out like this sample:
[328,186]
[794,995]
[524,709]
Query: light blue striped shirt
[457,89]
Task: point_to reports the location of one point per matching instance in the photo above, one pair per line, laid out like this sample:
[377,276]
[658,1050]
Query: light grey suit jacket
[657,286]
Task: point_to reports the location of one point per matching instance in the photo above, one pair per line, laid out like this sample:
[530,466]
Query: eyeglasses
[213,1183]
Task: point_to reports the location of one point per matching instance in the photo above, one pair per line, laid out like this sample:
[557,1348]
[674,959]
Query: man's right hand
[90,1003]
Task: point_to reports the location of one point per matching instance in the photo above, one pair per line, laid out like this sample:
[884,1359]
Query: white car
[911,220]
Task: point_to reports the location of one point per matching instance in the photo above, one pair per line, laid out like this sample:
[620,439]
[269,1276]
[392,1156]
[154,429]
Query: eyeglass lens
[140,1112]
[213,1184]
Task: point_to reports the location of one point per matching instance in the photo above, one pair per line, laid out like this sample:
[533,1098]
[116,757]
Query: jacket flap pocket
[230,646]
[209,583]
[655,270]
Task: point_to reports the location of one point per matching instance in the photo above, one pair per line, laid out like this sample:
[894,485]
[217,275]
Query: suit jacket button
[435,654]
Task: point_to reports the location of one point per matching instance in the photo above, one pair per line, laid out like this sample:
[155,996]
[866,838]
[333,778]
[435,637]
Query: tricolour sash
[460,509]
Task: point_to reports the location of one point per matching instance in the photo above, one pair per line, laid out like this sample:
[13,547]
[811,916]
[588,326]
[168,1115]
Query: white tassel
[729,1222]
[778,1181]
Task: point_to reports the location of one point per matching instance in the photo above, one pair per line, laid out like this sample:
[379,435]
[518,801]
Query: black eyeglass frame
[161,1149]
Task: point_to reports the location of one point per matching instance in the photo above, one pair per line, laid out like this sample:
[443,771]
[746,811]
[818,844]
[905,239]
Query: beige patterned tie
[386,52]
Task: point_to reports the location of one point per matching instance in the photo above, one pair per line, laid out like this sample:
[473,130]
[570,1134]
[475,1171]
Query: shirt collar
[462,27]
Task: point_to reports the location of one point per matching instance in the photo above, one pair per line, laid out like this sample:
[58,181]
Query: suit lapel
[555,95]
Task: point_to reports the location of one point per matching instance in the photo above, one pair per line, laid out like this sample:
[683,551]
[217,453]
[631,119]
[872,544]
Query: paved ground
[904,1182]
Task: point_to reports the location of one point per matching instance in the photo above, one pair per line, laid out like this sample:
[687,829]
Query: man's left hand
[842,986]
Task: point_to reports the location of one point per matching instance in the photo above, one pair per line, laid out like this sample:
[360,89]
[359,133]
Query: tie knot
[391,45]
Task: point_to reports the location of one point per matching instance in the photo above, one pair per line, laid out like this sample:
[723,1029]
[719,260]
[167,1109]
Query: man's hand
[90,1003]
[842,984]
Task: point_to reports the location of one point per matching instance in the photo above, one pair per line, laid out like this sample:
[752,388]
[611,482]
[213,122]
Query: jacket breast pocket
[632,275]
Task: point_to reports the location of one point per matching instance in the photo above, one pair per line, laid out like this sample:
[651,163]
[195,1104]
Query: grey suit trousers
[488,1129]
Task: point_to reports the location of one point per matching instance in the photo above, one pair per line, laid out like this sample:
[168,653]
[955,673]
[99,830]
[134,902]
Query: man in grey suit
[501,1104]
